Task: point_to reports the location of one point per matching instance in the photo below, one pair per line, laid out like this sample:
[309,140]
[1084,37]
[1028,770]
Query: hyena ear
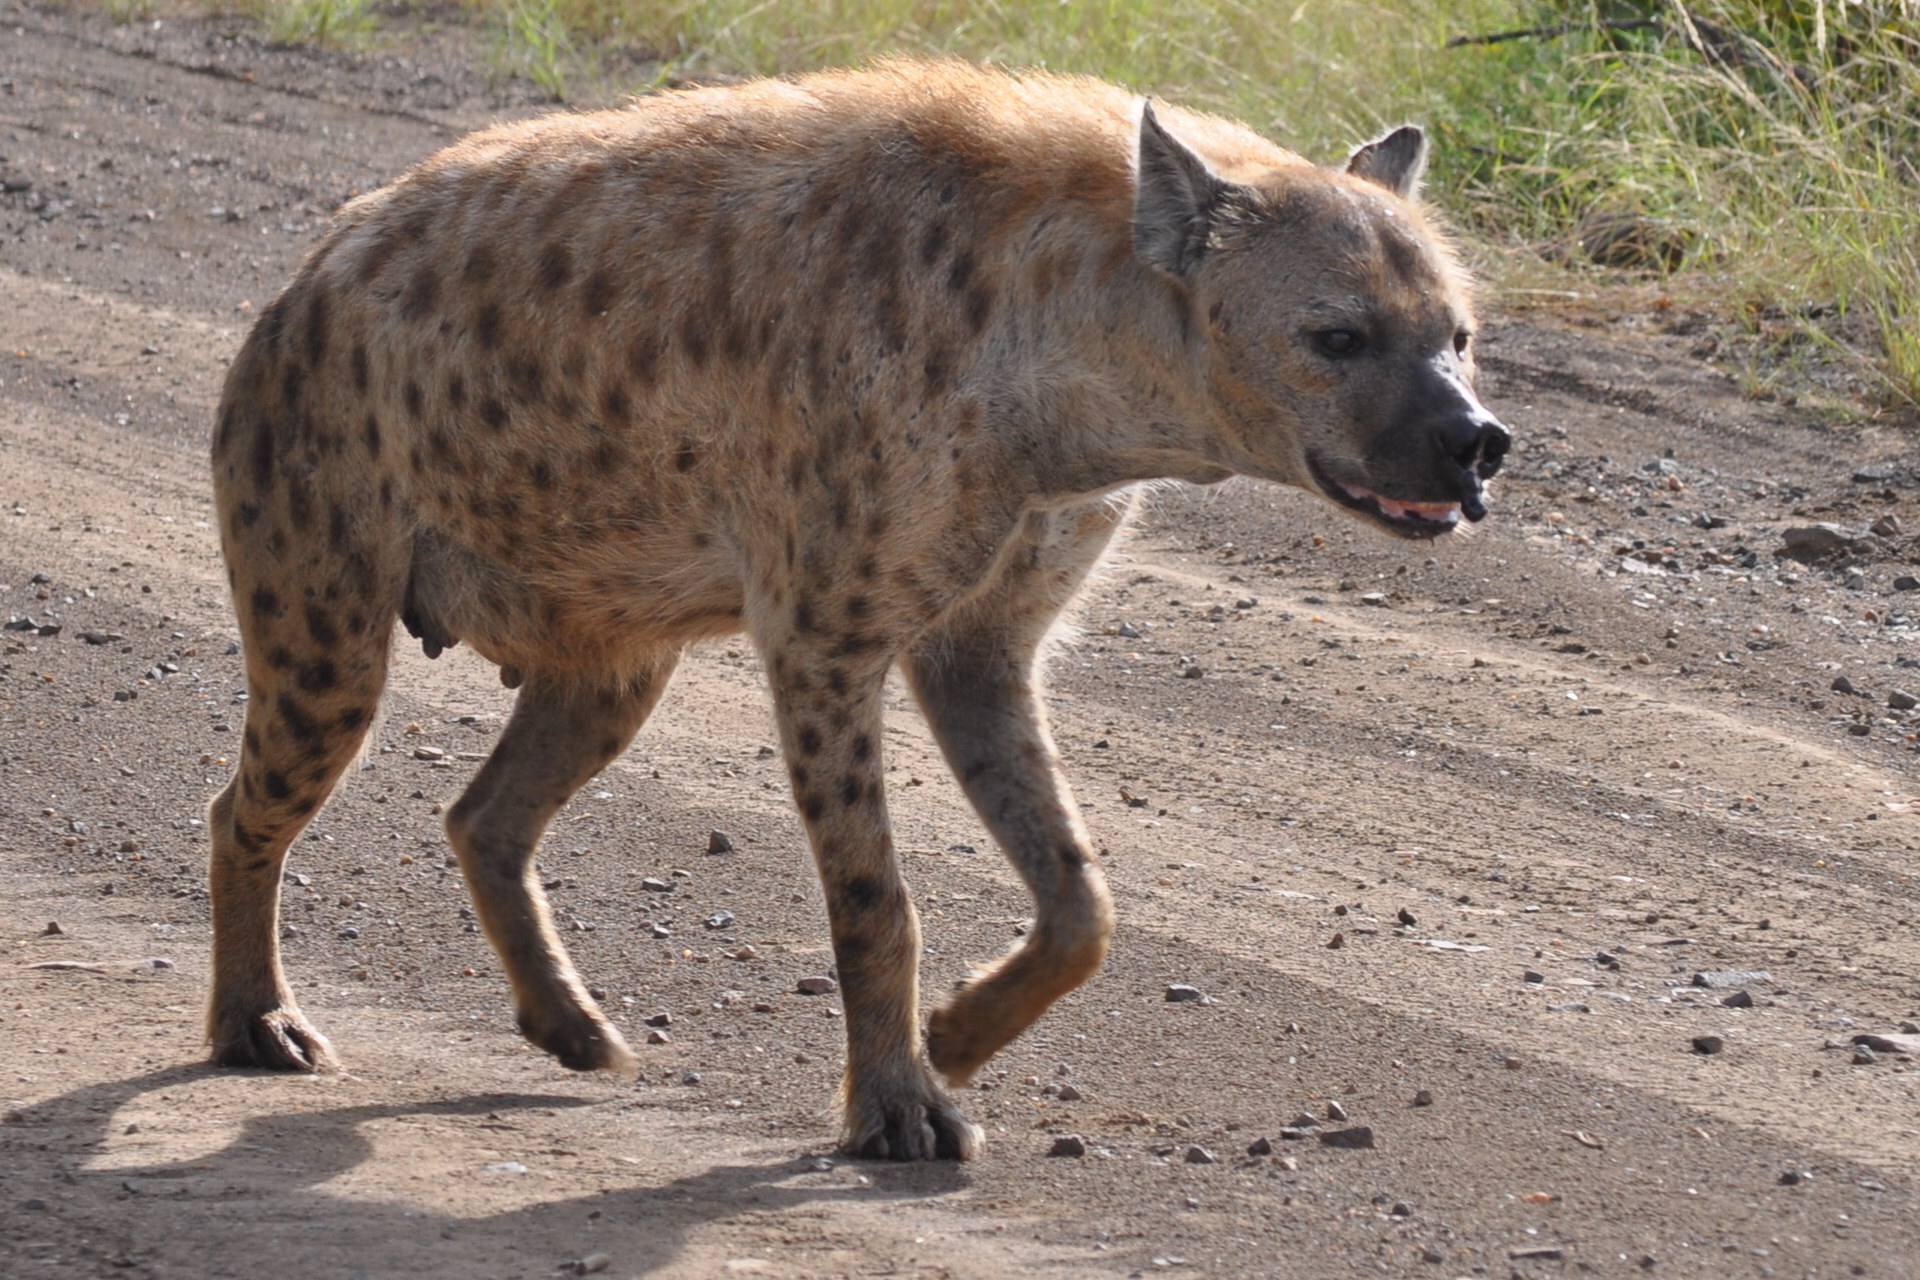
[1174,197]
[1393,160]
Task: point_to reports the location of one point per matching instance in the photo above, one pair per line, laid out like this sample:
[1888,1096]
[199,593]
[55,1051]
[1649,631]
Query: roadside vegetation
[1756,158]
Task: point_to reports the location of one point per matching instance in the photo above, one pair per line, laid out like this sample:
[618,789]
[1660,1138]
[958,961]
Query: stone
[1358,1138]
[654,884]
[818,985]
[1709,1045]
[1809,543]
[1181,993]
[1260,1147]
[1197,1154]
[1906,1044]
[1731,978]
[1423,1098]
[1738,1000]
[1901,700]
[1068,1144]
[719,842]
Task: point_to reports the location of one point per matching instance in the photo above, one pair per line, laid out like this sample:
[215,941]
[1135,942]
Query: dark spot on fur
[423,291]
[493,413]
[975,769]
[643,357]
[609,747]
[277,786]
[803,617]
[299,723]
[527,376]
[853,643]
[596,296]
[337,527]
[416,403]
[361,374]
[352,718]
[851,790]
[858,607]
[813,807]
[265,601]
[960,275]
[862,747]
[318,677]
[1070,856]
[480,265]
[320,627]
[615,406]
[837,681]
[280,658]
[299,504]
[486,327]
[542,475]
[933,243]
[979,308]
[372,436]
[808,739]
[556,266]
[862,893]
[249,513]
[686,457]
[292,379]
[456,390]
[867,567]
[693,336]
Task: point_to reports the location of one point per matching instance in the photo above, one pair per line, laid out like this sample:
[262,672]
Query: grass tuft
[344,24]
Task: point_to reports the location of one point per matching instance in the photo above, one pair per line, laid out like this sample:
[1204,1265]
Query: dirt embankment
[1532,781]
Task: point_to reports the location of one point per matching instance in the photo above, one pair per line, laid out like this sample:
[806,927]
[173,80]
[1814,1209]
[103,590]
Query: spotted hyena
[863,364]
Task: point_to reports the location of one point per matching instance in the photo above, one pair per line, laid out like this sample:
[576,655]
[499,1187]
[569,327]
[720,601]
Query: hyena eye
[1337,344]
[1461,341]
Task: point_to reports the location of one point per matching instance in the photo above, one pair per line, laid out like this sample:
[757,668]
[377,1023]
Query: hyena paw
[957,1046]
[921,1124]
[279,1040]
[582,1041]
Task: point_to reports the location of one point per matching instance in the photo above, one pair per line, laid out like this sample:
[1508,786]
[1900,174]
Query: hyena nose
[1477,442]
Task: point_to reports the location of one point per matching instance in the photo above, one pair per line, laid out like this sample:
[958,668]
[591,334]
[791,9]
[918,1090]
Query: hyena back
[863,364]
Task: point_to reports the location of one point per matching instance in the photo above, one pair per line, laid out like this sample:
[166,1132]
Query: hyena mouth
[1409,519]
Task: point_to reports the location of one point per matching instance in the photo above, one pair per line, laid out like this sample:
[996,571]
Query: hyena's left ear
[1174,198]
[1393,160]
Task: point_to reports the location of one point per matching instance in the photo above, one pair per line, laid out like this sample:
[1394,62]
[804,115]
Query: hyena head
[1339,328]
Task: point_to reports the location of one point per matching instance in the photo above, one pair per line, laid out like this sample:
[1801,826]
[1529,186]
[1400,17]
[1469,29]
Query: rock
[1260,1147]
[1725,978]
[1296,1133]
[1335,1111]
[719,841]
[819,985]
[1539,1252]
[1907,1044]
[1887,526]
[1305,1120]
[1336,942]
[1069,1094]
[1068,1144]
[1375,599]
[1400,1209]
[101,637]
[1901,700]
[592,1263]
[1407,918]
[1533,977]
[429,753]
[1738,1000]
[1572,1006]
[1197,1154]
[654,884]
[656,1036]
[1181,993]
[1793,1178]
[1708,1045]
[1358,1138]
[1809,543]
[1879,473]
[657,930]
[719,920]
[1906,582]
[350,933]
[1864,1056]
[1842,685]
[661,1019]
[1423,1098]
[53,930]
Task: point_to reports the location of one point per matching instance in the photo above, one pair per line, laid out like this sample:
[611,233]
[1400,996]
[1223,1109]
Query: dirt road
[1446,837]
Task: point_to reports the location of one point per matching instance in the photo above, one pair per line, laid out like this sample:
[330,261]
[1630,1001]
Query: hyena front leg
[563,731]
[976,679]
[829,709]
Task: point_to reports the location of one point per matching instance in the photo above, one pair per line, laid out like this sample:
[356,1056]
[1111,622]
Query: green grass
[348,24]
[1777,137]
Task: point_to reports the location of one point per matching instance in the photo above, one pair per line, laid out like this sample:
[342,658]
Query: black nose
[1477,442]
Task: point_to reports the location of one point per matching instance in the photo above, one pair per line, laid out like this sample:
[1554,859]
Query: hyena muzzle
[864,364]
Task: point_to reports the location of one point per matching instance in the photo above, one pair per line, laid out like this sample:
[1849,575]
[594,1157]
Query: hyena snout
[1474,443]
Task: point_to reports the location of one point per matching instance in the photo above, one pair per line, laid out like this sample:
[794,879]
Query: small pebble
[1260,1147]
[654,884]
[719,841]
[1863,1056]
[1335,1111]
[1070,1094]
[1181,993]
[719,920]
[1424,1098]
[657,1036]
[818,985]
[1708,1044]
[592,1263]
[1197,1154]
[1068,1144]
[661,1019]
[1407,918]
[1738,1000]
[1793,1178]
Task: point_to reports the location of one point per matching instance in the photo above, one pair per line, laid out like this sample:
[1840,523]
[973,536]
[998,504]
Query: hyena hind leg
[314,678]
[562,733]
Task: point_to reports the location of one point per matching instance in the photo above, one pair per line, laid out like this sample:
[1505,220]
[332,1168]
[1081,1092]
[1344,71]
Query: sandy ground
[1595,745]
